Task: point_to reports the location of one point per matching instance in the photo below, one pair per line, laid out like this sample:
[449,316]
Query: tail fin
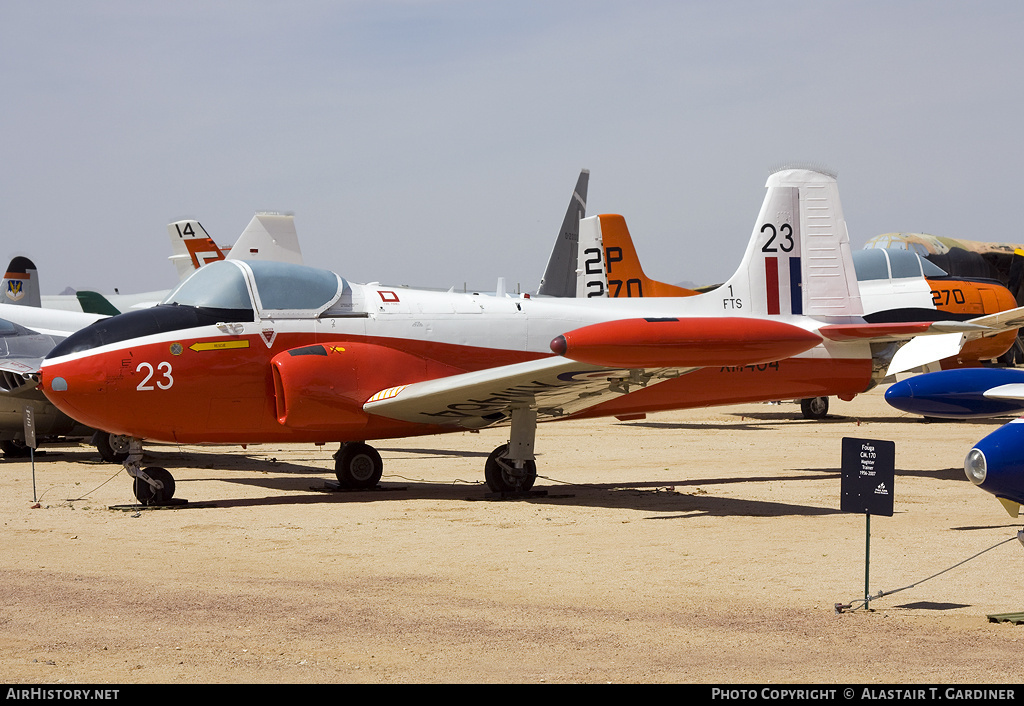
[269,236]
[799,259]
[191,247]
[625,276]
[95,303]
[21,283]
[559,278]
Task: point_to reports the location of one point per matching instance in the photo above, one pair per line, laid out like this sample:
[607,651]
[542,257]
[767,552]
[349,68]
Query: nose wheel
[153,486]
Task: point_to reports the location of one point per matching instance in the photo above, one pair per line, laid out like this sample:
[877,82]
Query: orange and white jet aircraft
[249,352]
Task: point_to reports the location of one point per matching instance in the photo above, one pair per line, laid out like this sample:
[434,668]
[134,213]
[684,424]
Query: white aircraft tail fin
[269,236]
[799,259]
[191,247]
[21,283]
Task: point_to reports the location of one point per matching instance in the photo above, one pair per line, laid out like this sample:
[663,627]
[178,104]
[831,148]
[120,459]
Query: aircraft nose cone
[996,464]
[898,394]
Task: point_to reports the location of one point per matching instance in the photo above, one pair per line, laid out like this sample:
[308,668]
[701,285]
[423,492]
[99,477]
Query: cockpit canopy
[881,263]
[272,289]
[221,292]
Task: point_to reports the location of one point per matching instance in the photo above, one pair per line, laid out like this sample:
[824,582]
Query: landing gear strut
[511,467]
[358,466]
[152,486]
[502,476]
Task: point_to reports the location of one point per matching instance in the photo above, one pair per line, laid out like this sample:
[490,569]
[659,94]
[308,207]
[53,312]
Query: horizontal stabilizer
[882,332]
[688,342]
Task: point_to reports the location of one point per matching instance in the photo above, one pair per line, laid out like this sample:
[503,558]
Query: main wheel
[112,447]
[814,407]
[358,465]
[13,448]
[147,494]
[502,476]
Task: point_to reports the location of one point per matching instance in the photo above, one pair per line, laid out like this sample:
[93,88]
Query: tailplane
[21,283]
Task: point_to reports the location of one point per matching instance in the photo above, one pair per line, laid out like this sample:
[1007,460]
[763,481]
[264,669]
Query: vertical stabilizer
[798,260]
[626,277]
[191,247]
[269,236]
[591,276]
[21,283]
[559,278]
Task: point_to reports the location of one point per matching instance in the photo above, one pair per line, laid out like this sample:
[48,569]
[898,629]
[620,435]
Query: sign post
[30,441]
[868,472]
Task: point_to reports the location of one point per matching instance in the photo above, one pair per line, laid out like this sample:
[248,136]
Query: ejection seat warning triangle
[869,468]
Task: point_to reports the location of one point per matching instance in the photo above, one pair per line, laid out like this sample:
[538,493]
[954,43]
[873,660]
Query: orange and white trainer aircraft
[249,352]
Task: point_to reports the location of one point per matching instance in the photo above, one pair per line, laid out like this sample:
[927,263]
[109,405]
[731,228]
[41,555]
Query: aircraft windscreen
[931,269]
[870,264]
[219,285]
[904,263]
[286,286]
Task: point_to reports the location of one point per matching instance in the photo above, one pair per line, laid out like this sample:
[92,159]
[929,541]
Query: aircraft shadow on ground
[896,418]
[304,483]
[667,499]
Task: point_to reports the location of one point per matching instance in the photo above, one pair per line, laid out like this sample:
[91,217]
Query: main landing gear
[814,407]
[358,466]
[112,447]
[511,468]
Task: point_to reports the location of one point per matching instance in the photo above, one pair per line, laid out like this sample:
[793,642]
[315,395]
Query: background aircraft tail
[21,283]
[608,253]
[269,236]
[559,278]
[191,247]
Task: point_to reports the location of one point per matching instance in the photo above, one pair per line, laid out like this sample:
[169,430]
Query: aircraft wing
[553,386]
[21,353]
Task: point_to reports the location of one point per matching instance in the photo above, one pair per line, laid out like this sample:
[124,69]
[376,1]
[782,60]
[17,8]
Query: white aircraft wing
[554,387]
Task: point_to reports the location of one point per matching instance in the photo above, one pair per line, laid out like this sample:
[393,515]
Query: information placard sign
[869,469]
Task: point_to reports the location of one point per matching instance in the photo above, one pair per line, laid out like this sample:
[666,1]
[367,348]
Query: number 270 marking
[165,380]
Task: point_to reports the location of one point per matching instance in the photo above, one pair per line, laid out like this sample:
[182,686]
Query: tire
[814,407]
[13,448]
[501,480]
[112,447]
[358,466]
[147,494]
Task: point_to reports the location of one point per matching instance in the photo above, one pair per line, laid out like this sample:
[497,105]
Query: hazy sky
[437,142]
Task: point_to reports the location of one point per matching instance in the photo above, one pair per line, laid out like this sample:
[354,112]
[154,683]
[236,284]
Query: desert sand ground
[700,546]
